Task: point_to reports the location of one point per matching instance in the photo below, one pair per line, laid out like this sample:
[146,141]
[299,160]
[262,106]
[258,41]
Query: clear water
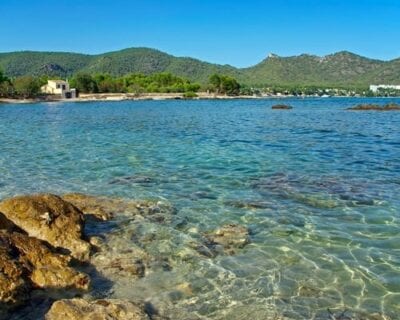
[318,186]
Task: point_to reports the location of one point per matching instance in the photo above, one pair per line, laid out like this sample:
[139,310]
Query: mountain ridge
[342,68]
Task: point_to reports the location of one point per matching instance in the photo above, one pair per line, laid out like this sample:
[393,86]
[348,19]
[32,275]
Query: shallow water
[318,186]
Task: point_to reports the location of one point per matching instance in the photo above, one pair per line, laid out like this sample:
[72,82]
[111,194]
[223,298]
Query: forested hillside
[339,69]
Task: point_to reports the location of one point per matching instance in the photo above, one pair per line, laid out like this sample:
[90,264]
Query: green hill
[339,69]
[342,68]
[118,63]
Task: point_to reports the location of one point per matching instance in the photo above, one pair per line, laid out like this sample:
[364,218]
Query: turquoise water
[318,187]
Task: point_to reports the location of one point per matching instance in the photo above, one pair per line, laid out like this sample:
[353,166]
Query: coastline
[115,97]
[89,97]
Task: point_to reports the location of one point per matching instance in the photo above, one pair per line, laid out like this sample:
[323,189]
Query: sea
[317,187]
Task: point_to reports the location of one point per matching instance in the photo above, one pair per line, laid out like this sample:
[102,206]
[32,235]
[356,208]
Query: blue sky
[236,32]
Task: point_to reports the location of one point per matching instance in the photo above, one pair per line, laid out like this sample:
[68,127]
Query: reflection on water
[317,186]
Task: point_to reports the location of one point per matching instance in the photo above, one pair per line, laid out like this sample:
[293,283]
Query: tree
[215,82]
[84,83]
[5,86]
[224,84]
[230,86]
[3,78]
[26,87]
[6,89]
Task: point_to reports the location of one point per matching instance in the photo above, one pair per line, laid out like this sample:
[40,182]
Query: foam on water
[318,186]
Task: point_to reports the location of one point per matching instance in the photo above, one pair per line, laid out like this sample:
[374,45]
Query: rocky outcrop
[79,309]
[42,236]
[48,217]
[376,107]
[281,107]
[228,238]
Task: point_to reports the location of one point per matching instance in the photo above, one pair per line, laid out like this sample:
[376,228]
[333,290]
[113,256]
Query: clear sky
[236,32]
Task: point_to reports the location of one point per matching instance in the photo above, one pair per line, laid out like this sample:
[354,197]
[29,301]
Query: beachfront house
[59,87]
[375,88]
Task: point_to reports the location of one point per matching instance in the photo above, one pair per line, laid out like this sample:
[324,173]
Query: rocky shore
[57,252]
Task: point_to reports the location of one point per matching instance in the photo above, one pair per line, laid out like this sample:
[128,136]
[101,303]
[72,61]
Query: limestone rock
[14,286]
[6,224]
[26,262]
[80,309]
[49,218]
[48,269]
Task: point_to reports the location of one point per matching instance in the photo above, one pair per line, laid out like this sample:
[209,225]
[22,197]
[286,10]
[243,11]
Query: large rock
[48,270]
[27,263]
[49,218]
[80,309]
[14,286]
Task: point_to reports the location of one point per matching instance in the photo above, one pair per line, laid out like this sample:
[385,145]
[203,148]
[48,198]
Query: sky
[236,32]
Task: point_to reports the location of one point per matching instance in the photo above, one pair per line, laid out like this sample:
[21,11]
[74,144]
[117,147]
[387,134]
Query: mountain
[342,68]
[339,69]
[118,63]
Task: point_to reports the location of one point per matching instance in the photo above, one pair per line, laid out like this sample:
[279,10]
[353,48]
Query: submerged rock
[104,208]
[202,195]
[229,238]
[132,180]
[80,309]
[124,266]
[100,207]
[320,192]
[156,211]
[49,218]
[250,204]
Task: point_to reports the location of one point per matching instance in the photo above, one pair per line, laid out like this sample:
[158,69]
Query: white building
[60,87]
[375,88]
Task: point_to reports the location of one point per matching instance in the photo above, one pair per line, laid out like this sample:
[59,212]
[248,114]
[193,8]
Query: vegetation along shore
[142,73]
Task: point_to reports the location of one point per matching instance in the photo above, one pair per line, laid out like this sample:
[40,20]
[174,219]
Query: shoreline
[91,97]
